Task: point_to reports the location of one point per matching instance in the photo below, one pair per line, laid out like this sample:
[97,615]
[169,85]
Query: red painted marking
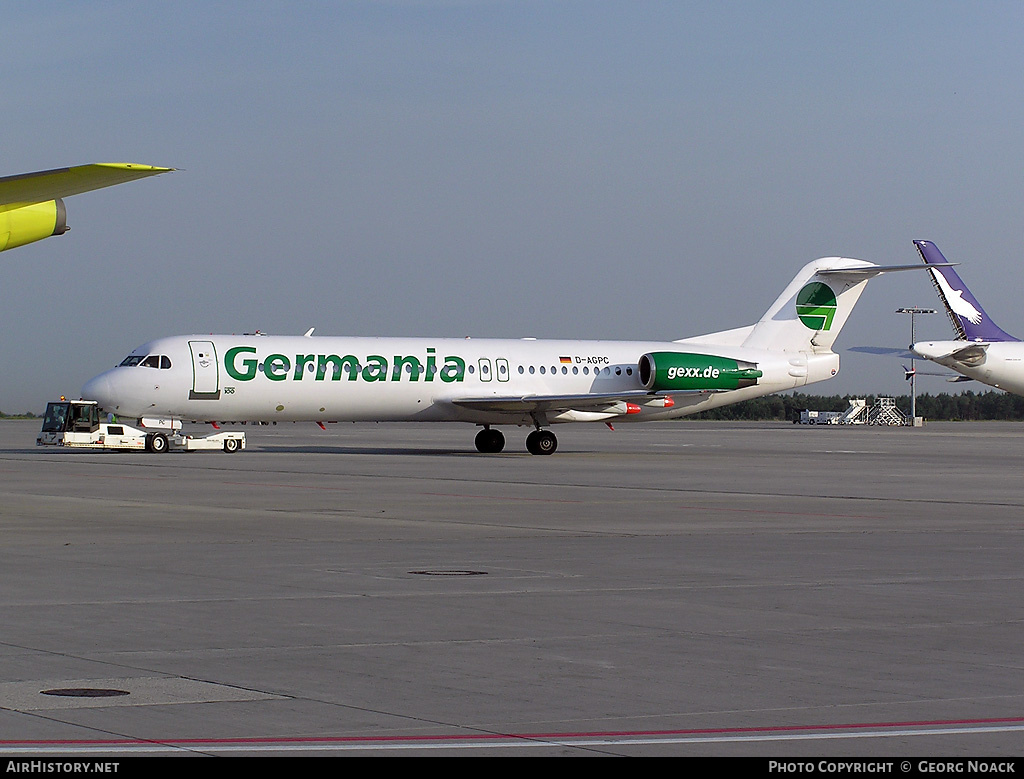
[530,736]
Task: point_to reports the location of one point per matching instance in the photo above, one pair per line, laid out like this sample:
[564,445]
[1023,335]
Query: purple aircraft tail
[969,319]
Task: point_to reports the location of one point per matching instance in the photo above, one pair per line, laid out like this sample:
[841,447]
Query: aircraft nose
[99,389]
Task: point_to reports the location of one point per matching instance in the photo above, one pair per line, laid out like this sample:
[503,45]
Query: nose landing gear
[156,442]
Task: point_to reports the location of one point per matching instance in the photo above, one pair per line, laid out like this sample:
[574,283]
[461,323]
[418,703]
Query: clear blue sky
[553,169]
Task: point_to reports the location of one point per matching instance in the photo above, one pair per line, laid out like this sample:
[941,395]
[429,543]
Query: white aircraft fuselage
[999,364]
[489,382]
[294,378]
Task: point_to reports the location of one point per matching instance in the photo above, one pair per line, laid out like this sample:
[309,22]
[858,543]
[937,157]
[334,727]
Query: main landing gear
[490,441]
[541,442]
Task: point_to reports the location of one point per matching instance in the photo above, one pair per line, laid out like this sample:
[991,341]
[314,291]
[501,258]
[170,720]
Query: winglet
[970,322]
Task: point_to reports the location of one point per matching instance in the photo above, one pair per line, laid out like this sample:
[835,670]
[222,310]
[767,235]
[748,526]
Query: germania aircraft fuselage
[293,378]
[490,382]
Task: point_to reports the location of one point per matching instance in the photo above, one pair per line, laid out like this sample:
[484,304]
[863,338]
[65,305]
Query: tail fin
[970,322]
[810,312]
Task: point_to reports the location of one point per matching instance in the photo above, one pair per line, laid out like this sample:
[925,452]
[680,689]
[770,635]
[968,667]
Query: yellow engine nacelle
[24,223]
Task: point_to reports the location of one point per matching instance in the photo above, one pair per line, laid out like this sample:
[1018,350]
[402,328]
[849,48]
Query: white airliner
[490,382]
[982,350]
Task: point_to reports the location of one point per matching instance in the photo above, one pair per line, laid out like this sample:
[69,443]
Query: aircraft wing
[525,404]
[46,185]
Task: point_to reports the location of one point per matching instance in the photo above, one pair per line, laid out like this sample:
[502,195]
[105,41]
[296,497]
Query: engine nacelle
[686,371]
[22,224]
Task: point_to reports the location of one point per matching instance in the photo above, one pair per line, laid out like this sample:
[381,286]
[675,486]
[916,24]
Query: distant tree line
[966,406]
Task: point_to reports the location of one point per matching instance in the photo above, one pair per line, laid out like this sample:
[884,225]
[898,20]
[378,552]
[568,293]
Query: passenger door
[205,371]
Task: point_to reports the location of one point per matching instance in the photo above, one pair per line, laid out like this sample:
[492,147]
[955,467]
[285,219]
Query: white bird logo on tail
[954,299]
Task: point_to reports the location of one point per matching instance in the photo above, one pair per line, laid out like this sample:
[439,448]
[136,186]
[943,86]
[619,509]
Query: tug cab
[78,416]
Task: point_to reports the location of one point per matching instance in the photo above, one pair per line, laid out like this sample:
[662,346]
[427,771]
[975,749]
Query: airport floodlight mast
[912,373]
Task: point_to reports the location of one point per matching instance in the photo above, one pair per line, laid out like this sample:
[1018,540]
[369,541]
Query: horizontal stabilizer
[900,352]
[871,272]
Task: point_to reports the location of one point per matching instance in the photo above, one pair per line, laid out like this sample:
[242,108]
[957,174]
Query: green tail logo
[816,305]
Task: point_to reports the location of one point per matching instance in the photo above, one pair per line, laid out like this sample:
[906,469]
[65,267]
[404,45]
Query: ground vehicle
[883,412]
[77,423]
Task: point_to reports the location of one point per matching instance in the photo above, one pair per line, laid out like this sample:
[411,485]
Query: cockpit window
[161,361]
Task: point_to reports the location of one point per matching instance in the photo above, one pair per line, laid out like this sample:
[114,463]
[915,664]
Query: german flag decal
[565,360]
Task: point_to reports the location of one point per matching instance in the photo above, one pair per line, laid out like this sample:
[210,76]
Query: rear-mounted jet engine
[686,371]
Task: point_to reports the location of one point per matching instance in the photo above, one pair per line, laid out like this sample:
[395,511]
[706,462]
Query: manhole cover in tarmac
[448,573]
[85,692]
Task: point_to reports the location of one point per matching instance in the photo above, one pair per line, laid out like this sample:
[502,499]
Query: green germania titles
[242,364]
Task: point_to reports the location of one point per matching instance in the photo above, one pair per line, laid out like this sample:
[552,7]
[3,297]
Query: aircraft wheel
[490,441]
[232,445]
[157,443]
[541,442]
